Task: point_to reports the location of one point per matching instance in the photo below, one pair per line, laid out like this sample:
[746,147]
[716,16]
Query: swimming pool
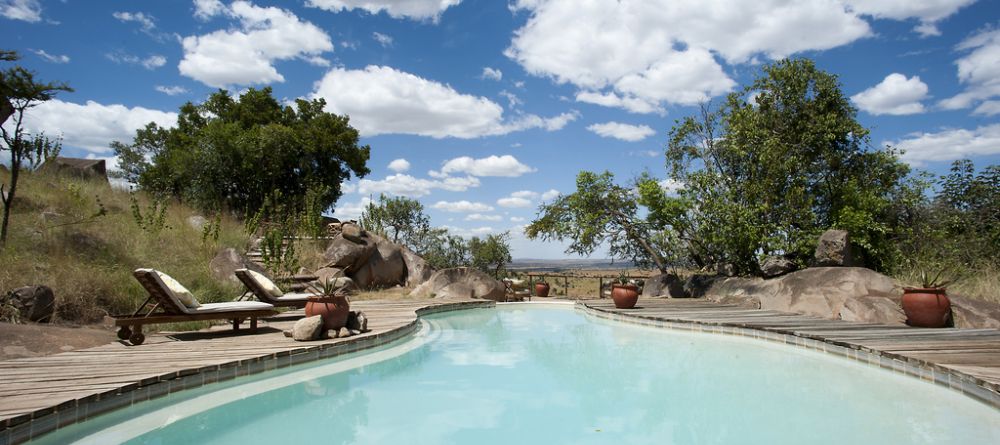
[544,374]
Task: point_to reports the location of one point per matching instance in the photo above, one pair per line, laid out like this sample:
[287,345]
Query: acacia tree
[491,254]
[599,212]
[403,216]
[19,92]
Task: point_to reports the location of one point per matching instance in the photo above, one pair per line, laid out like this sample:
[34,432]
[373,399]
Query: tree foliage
[231,154]
[491,254]
[398,218]
[19,92]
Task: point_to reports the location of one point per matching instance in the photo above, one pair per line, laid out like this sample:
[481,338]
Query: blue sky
[482,109]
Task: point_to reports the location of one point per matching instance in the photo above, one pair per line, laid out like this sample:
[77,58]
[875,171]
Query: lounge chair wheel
[124,333]
[137,338]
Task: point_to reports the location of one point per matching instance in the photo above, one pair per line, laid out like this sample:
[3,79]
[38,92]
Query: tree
[778,163]
[403,216]
[491,254]
[599,212]
[232,154]
[19,92]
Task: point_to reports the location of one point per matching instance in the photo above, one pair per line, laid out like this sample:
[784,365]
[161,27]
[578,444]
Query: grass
[981,282]
[580,284]
[55,240]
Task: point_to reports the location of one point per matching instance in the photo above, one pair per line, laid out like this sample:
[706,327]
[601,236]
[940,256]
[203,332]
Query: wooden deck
[57,390]
[967,360]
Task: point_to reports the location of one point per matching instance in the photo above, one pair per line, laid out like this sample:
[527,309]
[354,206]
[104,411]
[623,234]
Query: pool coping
[32,425]
[952,379]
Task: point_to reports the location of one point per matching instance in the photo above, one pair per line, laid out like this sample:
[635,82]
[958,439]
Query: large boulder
[665,285]
[33,303]
[834,250]
[225,263]
[776,266]
[818,291]
[461,282]
[971,313]
[385,266]
[417,269]
[349,254]
[697,286]
[197,222]
[308,329]
[870,309]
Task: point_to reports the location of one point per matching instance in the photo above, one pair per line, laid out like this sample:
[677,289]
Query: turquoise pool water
[523,374]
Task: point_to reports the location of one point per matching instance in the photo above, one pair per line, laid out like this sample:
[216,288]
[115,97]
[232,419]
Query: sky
[484,109]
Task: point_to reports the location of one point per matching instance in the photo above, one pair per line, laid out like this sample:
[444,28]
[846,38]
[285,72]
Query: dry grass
[981,283]
[580,284]
[88,261]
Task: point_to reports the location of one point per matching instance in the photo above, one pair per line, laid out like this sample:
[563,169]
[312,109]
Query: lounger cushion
[266,284]
[178,291]
[232,306]
[295,296]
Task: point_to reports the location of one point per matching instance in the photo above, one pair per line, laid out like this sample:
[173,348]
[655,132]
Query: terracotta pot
[334,310]
[625,295]
[926,308]
[542,289]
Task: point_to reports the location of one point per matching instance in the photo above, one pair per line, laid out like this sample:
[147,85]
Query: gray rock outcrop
[971,313]
[225,263]
[461,282]
[834,250]
[868,309]
[372,261]
[33,303]
[775,266]
[349,254]
[664,285]
[417,269]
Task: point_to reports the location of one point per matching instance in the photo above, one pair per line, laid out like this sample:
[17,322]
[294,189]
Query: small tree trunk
[8,200]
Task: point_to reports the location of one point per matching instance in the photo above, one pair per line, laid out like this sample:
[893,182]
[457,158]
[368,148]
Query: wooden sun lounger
[290,299]
[161,307]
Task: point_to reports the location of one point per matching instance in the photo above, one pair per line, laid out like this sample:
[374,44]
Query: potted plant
[541,287]
[624,293]
[928,306]
[331,303]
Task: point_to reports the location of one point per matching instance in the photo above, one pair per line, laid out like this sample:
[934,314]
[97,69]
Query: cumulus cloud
[411,9]
[671,186]
[611,99]
[482,217]
[895,95]
[171,90]
[950,144]
[516,219]
[383,39]
[346,211]
[383,100]
[506,166]
[26,10]
[625,132]
[492,74]
[246,55]
[405,185]
[52,58]
[929,12]
[146,22]
[988,108]
[150,63]
[399,165]
[92,126]
[467,232]
[979,70]
[513,202]
[206,9]
[551,194]
[462,206]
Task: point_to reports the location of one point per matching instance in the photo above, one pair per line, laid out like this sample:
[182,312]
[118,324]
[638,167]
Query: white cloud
[412,9]
[526,194]
[383,39]
[92,126]
[462,206]
[551,194]
[512,99]
[929,12]
[406,185]
[171,90]
[26,10]
[512,202]
[950,144]
[895,95]
[506,166]
[988,108]
[611,99]
[639,55]
[625,132]
[383,100]
[246,55]
[150,63]
[399,165]
[146,22]
[206,9]
[979,70]
[467,232]
[53,58]
[492,74]
[350,210]
[482,217]
[516,219]
[671,186]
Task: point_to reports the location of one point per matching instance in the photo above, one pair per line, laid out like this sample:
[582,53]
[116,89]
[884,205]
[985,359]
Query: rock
[352,232]
[817,291]
[197,222]
[743,301]
[343,253]
[308,329]
[33,303]
[357,321]
[461,282]
[328,273]
[225,263]
[334,228]
[869,309]
[726,270]
[971,313]
[417,270]
[50,216]
[666,285]
[774,266]
[834,250]
[387,265]
[696,286]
